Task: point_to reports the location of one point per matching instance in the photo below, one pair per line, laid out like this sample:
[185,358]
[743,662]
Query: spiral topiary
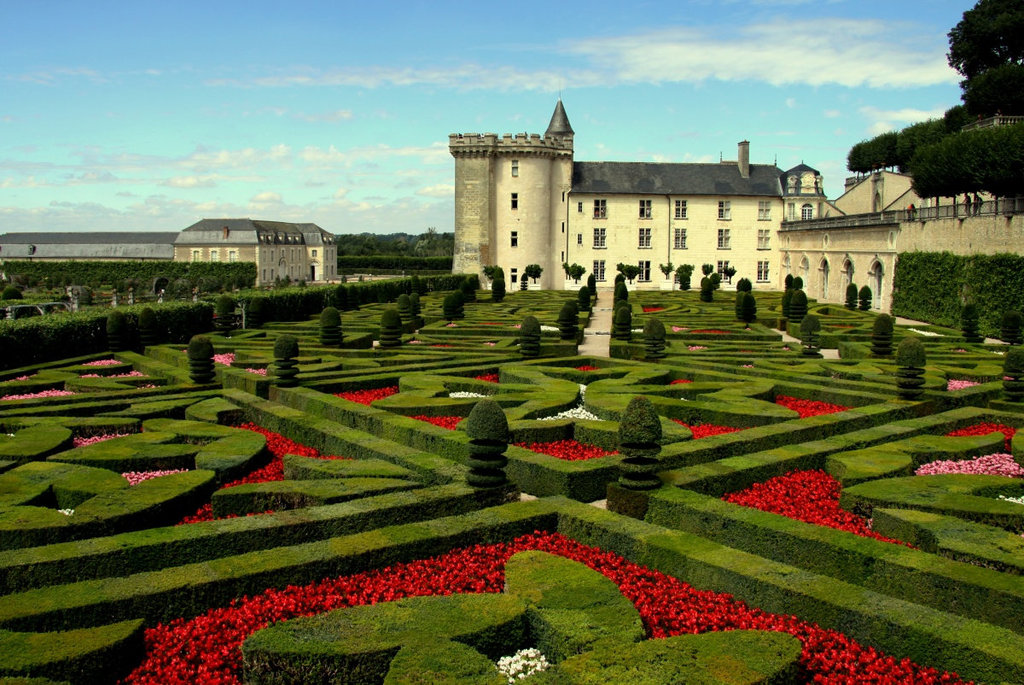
[864,295]
[621,292]
[330,327]
[117,331]
[881,336]
[583,299]
[1013,374]
[256,313]
[809,327]
[639,435]
[748,308]
[468,291]
[738,305]
[200,360]
[498,290]
[592,284]
[488,433]
[390,328]
[851,296]
[744,285]
[622,324]
[224,309]
[1010,327]
[798,283]
[524,282]
[149,330]
[529,337]
[789,282]
[286,352]
[798,306]
[910,361]
[707,290]
[654,339]
[404,307]
[414,302]
[787,300]
[568,322]
[450,307]
[969,323]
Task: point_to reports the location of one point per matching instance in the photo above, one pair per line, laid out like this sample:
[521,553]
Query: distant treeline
[396,263]
[429,244]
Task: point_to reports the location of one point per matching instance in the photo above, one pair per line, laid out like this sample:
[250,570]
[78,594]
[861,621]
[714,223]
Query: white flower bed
[522,664]
[928,333]
[549,328]
[461,395]
[574,413]
[1016,500]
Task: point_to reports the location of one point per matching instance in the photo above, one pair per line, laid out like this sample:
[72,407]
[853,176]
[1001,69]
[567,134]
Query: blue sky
[152,115]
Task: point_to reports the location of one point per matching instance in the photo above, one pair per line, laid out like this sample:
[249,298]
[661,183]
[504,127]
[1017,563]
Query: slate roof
[652,178]
[559,125]
[249,231]
[89,245]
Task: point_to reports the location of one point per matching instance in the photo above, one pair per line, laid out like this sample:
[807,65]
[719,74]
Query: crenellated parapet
[491,145]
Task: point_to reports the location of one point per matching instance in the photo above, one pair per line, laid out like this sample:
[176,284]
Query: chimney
[227,232]
[744,159]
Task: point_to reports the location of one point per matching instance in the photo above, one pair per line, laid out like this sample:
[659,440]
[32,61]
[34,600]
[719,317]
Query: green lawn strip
[953,537]
[890,569]
[255,498]
[970,647]
[83,656]
[215,410]
[35,442]
[149,550]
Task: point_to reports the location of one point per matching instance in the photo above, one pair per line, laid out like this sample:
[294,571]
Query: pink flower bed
[999,464]
[225,358]
[23,378]
[258,372]
[694,348]
[103,362]
[953,385]
[709,331]
[136,477]
[676,329]
[37,395]
[93,439]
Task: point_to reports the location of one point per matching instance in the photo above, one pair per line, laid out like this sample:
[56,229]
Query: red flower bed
[678,381]
[985,429]
[440,345]
[206,649]
[810,496]
[449,422]
[705,430]
[278,445]
[488,377]
[586,367]
[712,331]
[807,408]
[649,310]
[569,450]
[368,396]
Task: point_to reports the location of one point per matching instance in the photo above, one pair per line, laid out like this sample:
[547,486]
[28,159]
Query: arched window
[847,272]
[824,267]
[806,212]
[876,275]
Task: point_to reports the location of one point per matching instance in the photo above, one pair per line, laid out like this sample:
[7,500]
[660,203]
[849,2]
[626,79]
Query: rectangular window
[764,236]
[515,200]
[264,274]
[232,255]
[645,209]
[806,213]
[600,209]
[579,207]
[645,270]
[314,254]
[598,270]
[599,236]
[195,255]
[515,238]
[214,256]
[680,209]
[645,239]
[764,210]
[724,210]
[579,238]
[791,213]
[679,239]
[515,168]
[722,266]
[762,272]
[723,239]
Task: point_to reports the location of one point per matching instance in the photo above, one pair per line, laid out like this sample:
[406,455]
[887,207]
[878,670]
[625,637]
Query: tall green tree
[987,48]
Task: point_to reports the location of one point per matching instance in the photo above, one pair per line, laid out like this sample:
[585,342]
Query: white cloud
[190,182]
[832,113]
[791,103]
[332,156]
[266,198]
[336,115]
[438,190]
[882,121]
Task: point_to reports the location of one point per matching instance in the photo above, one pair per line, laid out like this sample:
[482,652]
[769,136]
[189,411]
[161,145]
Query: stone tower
[511,199]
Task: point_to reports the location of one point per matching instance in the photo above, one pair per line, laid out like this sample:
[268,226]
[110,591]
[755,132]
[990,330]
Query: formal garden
[418,481]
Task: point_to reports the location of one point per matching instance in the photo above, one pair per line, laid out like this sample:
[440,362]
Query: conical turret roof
[559,125]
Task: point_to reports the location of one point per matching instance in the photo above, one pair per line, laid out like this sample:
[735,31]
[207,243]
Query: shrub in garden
[533,271]
[149,330]
[200,359]
[748,308]
[910,361]
[404,307]
[683,274]
[787,300]
[354,296]
[592,284]
[117,331]
[529,337]
[11,293]
[716,280]
[809,327]
[789,282]
[881,336]
[707,290]
[488,433]
[1013,374]
[969,323]
[414,302]
[390,328]
[286,352]
[583,299]
[654,339]
[744,285]
[622,324]
[330,327]
[621,292]
[452,306]
[1009,327]
[865,298]
[224,309]
[468,291]
[568,322]
[738,305]
[498,290]
[524,282]
[418,285]
[619,278]
[255,314]
[639,435]
[797,306]
[851,296]
[707,269]
[798,283]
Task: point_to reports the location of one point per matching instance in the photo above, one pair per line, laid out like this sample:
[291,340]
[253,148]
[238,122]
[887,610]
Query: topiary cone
[622,323]
[851,296]
[330,327]
[488,433]
[405,307]
[1010,328]
[286,350]
[1013,374]
[881,336]
[969,323]
[149,333]
[390,328]
[809,327]
[568,322]
[910,361]
[654,339]
[529,337]
[117,331]
[639,433]
[798,306]
[200,360]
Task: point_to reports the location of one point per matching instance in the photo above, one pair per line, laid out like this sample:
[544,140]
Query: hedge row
[146,272]
[362,263]
[933,287]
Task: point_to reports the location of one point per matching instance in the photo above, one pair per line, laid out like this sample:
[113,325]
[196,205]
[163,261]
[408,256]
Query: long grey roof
[653,178]
[98,245]
[85,238]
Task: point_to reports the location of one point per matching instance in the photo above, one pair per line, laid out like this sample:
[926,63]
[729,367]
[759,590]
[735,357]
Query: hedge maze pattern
[158,530]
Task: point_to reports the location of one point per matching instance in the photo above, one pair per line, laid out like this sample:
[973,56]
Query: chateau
[521,199]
